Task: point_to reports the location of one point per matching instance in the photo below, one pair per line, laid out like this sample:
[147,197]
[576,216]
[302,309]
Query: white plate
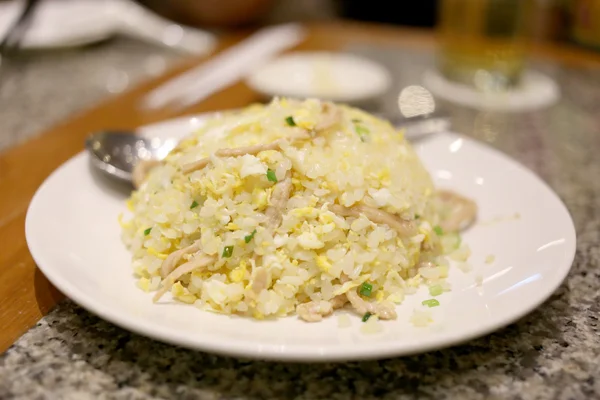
[74,237]
[71,23]
[326,75]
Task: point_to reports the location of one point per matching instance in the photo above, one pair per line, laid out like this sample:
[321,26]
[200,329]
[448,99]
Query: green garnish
[227,252]
[356,120]
[417,216]
[361,130]
[366,317]
[147,231]
[431,303]
[290,121]
[438,230]
[450,242]
[248,238]
[271,175]
[194,205]
[436,290]
[365,289]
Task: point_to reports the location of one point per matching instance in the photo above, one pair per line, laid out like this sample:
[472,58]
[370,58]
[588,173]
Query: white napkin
[65,23]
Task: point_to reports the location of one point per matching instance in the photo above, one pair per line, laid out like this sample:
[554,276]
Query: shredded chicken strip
[314,311]
[141,170]
[383,310]
[332,115]
[260,280]
[462,212]
[402,226]
[241,151]
[339,301]
[279,198]
[197,262]
[171,261]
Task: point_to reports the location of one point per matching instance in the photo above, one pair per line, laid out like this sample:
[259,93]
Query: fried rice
[293,207]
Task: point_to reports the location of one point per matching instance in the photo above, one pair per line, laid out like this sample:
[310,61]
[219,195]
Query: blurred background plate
[71,23]
[327,75]
[60,24]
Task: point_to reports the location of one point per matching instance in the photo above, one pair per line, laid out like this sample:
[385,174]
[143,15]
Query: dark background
[421,13]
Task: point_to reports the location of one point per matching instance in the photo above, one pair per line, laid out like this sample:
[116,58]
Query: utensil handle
[226,68]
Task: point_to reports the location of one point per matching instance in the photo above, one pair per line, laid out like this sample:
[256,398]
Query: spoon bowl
[116,153]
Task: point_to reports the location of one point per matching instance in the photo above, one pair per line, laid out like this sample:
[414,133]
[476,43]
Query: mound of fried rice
[294,207]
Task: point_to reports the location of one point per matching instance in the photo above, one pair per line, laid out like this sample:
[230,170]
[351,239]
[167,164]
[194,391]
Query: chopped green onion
[365,289]
[356,120]
[271,175]
[290,121]
[438,230]
[361,130]
[366,317]
[248,238]
[417,216]
[194,205]
[147,231]
[450,242]
[227,252]
[431,303]
[436,290]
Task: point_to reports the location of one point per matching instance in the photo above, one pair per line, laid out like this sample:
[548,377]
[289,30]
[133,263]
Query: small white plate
[74,237]
[325,75]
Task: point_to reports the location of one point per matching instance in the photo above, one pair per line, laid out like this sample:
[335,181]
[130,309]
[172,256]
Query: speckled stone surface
[553,353]
[39,88]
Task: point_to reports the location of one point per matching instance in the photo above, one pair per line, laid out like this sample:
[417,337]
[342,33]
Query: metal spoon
[115,153]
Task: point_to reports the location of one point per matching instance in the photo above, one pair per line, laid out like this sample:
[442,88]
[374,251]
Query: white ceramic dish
[325,75]
[72,23]
[74,237]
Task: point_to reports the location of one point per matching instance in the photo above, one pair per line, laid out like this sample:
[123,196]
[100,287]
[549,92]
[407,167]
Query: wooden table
[25,294]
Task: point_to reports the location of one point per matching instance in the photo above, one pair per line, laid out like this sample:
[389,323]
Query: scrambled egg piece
[238,274]
[180,293]
[310,241]
[144,284]
[260,197]
[323,264]
[155,253]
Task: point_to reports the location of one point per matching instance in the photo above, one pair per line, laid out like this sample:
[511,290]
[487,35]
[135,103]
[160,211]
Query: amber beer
[482,42]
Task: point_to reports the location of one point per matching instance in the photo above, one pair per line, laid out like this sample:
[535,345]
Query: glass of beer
[482,42]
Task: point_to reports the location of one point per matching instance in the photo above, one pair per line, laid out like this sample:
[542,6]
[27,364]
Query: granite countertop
[552,353]
[52,85]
